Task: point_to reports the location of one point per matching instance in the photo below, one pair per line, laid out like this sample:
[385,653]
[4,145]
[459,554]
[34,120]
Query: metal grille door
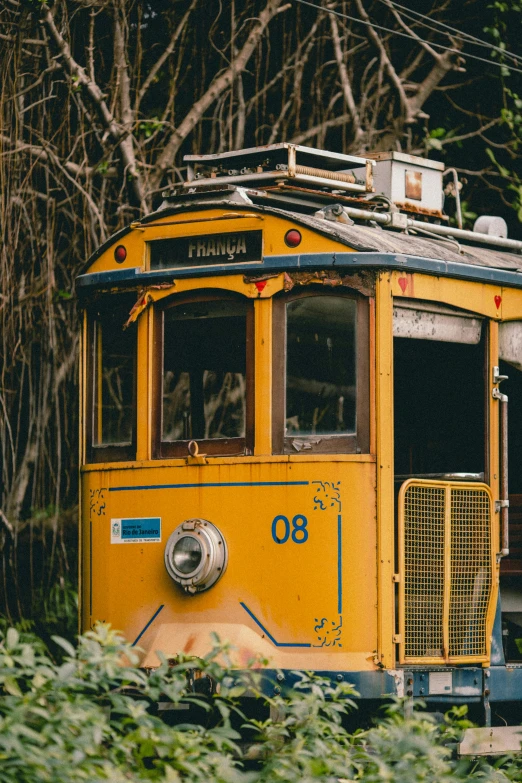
[446,571]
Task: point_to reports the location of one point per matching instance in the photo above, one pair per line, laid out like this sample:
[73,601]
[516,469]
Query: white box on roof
[414,184]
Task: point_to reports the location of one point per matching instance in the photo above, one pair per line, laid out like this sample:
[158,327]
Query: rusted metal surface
[404,157]
[364,282]
[413,185]
[406,206]
[403,177]
[260,278]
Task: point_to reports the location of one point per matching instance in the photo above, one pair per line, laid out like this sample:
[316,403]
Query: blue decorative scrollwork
[328,632]
[327,495]
[97,502]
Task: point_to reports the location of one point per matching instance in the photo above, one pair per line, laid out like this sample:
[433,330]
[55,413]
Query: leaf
[65,645]
[12,687]
[66,670]
[39,680]
[12,638]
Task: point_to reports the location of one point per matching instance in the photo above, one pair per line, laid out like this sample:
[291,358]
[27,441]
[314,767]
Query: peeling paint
[398,676]
[466,690]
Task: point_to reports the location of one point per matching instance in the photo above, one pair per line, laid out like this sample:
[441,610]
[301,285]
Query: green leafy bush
[92,717]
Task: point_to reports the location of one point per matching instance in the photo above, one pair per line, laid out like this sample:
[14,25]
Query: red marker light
[120,254]
[293,238]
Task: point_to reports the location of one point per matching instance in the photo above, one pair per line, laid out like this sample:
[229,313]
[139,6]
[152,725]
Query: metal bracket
[397,638]
[497,395]
[501,504]
[335,212]
[497,377]
[398,220]
[408,693]
[485,696]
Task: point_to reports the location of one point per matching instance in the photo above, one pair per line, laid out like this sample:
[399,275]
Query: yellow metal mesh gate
[446,571]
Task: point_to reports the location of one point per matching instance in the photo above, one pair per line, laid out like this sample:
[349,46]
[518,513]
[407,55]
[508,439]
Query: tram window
[323,364]
[205,369]
[439,407]
[113,374]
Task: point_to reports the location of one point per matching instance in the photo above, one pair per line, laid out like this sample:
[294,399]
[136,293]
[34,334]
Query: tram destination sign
[208,250]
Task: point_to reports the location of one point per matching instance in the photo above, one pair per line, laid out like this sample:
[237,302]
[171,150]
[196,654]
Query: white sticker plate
[145,530]
[440,683]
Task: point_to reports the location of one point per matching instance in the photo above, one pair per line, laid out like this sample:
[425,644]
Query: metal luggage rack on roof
[390,190]
[282,164]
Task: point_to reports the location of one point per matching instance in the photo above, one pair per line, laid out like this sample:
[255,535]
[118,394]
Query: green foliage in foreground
[89,718]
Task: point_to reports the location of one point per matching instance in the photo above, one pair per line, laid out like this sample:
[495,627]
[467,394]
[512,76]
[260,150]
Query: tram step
[491,741]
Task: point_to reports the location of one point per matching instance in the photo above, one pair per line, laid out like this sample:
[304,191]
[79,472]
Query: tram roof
[374,246]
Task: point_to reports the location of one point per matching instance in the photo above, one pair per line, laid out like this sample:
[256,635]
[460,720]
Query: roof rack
[388,189]
[282,163]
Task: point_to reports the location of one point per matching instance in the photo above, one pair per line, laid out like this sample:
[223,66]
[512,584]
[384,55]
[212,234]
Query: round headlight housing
[196,555]
[186,554]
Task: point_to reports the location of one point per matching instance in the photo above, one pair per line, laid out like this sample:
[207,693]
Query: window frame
[212,447]
[357,443]
[98,453]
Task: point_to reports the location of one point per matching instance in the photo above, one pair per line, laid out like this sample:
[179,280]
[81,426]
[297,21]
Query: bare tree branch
[310,133]
[28,41]
[443,63]
[164,56]
[127,115]
[410,31]
[78,74]
[218,85]
[392,73]
[35,151]
[345,81]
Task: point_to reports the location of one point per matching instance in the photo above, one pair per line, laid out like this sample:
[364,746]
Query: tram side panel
[300,582]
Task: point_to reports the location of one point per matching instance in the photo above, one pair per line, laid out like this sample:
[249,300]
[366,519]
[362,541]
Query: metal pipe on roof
[472,236]
[366,214]
[385,219]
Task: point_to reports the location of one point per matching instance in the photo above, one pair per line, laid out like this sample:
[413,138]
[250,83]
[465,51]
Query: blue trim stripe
[339,564]
[353,260]
[216,484]
[156,613]
[277,644]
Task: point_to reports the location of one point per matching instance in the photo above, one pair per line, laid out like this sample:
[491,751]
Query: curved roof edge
[308,261]
[361,237]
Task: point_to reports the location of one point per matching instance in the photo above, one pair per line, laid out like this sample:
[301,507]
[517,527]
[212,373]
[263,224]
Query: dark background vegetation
[100,100]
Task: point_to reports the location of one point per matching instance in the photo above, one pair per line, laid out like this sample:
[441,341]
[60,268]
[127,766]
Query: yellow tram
[292,408]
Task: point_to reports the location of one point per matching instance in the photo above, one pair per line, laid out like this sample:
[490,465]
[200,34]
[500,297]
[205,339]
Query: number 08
[297,529]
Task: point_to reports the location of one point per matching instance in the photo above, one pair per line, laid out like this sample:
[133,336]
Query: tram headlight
[187,554]
[196,555]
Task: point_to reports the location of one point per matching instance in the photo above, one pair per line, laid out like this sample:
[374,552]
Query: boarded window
[510,343]
[429,321]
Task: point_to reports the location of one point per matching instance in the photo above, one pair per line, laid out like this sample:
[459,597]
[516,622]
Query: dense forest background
[101,99]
